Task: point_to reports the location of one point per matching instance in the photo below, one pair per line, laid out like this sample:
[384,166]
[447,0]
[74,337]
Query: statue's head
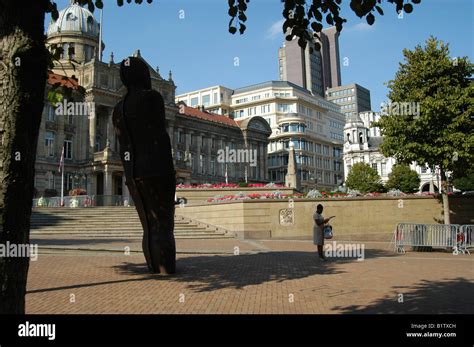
[134,73]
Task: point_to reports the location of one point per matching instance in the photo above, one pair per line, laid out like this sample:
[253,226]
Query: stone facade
[92,160]
[361,144]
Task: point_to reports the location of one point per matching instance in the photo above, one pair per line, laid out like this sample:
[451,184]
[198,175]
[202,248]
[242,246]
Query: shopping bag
[328,232]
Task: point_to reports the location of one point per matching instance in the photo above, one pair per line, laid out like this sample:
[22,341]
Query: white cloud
[275,30]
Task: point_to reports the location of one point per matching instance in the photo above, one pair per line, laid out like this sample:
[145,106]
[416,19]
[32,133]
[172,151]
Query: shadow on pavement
[425,297]
[213,272]
[208,273]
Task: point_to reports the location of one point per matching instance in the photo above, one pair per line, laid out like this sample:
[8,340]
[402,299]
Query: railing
[423,236]
[83,201]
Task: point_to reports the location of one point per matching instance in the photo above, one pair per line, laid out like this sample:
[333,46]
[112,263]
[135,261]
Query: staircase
[111,222]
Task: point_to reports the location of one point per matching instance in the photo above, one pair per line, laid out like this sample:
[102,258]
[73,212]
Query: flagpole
[61,169]
[226,180]
[62,187]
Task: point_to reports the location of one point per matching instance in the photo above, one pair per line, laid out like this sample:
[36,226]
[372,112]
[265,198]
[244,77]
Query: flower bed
[241,196]
[311,195]
[228,185]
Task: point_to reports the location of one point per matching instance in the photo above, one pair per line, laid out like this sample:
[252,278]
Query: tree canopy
[403,178]
[442,134]
[364,178]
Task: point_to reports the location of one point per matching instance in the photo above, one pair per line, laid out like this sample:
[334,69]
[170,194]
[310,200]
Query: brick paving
[266,277]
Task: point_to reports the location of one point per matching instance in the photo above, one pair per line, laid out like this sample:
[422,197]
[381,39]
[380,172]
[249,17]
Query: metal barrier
[465,238]
[427,235]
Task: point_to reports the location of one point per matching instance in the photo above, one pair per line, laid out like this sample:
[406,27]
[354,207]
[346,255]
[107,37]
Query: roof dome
[354,121]
[74,18]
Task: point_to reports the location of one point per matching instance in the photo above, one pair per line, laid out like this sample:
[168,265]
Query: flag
[61,161]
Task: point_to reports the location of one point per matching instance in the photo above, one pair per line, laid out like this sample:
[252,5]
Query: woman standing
[318,230]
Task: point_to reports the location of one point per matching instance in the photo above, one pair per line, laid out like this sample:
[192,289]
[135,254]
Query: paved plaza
[239,276]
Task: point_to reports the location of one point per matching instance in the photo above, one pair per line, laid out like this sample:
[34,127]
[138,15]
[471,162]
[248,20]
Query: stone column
[189,133]
[262,160]
[107,181]
[92,125]
[91,183]
[208,156]
[198,152]
[110,130]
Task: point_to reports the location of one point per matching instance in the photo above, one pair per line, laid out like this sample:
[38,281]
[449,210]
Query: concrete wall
[368,219]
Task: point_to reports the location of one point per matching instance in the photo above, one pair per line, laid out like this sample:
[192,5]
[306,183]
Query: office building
[315,71]
[352,98]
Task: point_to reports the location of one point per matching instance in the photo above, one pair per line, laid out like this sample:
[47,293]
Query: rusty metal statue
[145,150]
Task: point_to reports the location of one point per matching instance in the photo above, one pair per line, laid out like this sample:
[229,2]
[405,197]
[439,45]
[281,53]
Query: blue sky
[200,51]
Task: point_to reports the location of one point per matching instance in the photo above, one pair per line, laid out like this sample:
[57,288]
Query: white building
[361,144]
[215,99]
[314,125]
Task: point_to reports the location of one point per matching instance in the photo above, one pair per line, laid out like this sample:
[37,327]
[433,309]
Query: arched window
[361,138]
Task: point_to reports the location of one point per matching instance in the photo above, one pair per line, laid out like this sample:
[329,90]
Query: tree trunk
[444,195]
[22,83]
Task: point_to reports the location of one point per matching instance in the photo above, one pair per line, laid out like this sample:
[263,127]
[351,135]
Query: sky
[191,38]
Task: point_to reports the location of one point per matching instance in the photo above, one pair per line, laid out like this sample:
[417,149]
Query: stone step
[83,230]
[108,222]
[138,236]
[122,234]
[92,222]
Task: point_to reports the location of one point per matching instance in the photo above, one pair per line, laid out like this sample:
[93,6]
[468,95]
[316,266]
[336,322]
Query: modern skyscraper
[330,52]
[315,71]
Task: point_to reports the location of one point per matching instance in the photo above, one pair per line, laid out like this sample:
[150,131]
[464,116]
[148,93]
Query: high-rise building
[352,98]
[315,71]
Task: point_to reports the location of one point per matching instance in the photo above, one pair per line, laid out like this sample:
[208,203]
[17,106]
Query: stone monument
[292,179]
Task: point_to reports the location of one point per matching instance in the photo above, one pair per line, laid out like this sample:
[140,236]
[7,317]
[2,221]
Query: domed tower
[77,31]
[355,134]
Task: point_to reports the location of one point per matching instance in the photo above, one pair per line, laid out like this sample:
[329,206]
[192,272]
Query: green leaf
[379,10]
[370,19]
[408,8]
